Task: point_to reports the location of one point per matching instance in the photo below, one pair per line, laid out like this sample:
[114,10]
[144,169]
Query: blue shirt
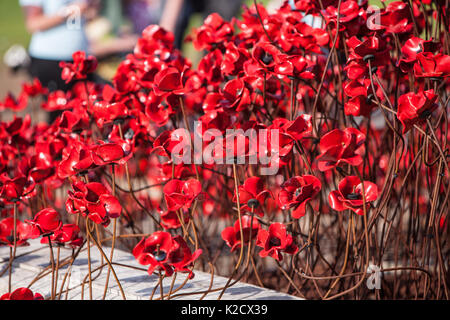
[60,42]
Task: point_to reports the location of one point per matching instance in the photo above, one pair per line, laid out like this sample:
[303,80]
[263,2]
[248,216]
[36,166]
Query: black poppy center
[298,192]
[353,196]
[275,242]
[253,203]
[160,256]
[266,58]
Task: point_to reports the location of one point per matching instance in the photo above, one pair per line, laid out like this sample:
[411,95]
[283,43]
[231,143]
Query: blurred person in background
[177,14]
[58,30]
[109,35]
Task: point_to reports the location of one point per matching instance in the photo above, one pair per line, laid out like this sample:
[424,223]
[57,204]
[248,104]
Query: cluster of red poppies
[320,85]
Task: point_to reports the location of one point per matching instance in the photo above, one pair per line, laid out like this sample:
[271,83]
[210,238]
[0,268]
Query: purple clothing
[143,14]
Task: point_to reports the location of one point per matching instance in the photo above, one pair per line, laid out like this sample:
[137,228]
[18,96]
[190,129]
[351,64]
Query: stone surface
[33,261]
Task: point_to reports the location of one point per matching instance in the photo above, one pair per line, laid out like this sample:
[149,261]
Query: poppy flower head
[350,195]
[232,235]
[45,223]
[24,232]
[340,146]
[22,294]
[79,68]
[181,194]
[252,195]
[275,241]
[415,108]
[297,192]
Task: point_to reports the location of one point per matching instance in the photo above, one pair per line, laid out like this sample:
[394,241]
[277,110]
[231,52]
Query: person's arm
[170,15]
[36,20]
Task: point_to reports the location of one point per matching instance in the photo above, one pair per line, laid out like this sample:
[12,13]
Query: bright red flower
[297,192]
[68,233]
[415,108]
[73,121]
[108,153]
[275,241]
[213,33]
[341,146]
[252,195]
[76,159]
[155,252]
[181,257]
[94,201]
[23,294]
[432,66]
[266,54]
[396,18]
[23,230]
[294,66]
[45,223]
[105,112]
[34,89]
[350,195]
[361,94]
[181,194]
[232,235]
[80,68]
[170,219]
[14,104]
[412,48]
[15,189]
[168,80]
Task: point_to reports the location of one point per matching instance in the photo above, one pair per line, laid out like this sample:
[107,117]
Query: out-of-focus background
[114,19]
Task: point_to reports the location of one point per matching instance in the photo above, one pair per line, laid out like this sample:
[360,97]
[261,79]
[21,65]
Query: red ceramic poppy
[171,220]
[362,97]
[415,108]
[105,112]
[108,153]
[155,252]
[168,80]
[294,66]
[233,59]
[341,146]
[213,33]
[350,195]
[15,189]
[80,68]
[94,201]
[232,235]
[181,194]
[23,232]
[181,257]
[45,223]
[297,192]
[395,18]
[14,104]
[34,88]
[73,121]
[39,168]
[252,195]
[275,241]
[77,158]
[157,109]
[67,234]
[412,47]
[265,54]
[23,294]
[432,66]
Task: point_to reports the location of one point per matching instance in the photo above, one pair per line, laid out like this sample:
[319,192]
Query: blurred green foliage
[12,27]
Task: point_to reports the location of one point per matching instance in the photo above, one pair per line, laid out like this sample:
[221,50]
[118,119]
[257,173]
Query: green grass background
[12,27]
